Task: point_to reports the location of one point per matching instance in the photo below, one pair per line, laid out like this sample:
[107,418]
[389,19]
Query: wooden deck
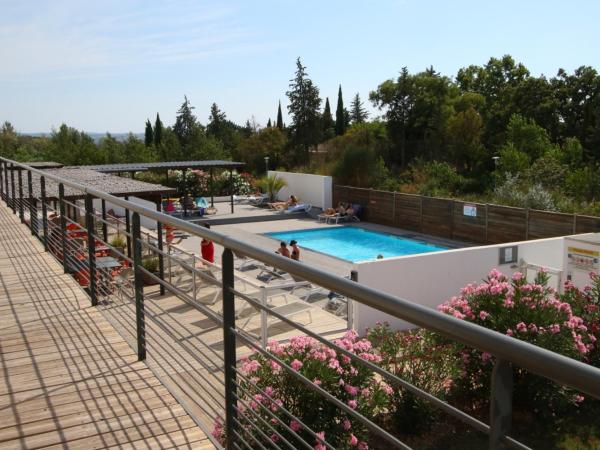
[67,377]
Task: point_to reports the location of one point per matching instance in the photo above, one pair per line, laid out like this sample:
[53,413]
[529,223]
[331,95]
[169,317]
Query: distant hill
[95,136]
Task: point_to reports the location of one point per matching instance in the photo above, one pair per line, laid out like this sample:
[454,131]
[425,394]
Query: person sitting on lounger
[340,210]
[292,201]
[283,250]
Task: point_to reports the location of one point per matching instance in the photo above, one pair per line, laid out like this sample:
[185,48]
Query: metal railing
[227,393]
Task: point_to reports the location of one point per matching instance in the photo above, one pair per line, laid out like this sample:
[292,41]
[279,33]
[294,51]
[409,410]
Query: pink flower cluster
[522,310]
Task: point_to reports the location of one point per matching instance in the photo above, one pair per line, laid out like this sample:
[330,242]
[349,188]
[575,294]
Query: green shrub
[150,264]
[118,241]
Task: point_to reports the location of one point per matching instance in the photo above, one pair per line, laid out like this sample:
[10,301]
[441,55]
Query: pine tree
[158,131]
[304,110]
[279,117]
[185,125]
[148,134]
[340,119]
[216,121]
[358,114]
[269,123]
[327,121]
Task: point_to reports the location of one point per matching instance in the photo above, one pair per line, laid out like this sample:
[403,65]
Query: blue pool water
[356,244]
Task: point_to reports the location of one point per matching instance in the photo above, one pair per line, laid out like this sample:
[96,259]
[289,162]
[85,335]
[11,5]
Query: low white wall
[309,188]
[144,221]
[432,278]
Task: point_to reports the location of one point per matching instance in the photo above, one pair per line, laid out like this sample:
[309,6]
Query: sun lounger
[298,208]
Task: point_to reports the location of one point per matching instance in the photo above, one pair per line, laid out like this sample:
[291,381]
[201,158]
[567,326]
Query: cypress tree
[340,117]
[269,123]
[327,121]
[158,131]
[149,134]
[279,117]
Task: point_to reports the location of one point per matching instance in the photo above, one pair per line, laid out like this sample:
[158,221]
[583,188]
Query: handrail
[559,368]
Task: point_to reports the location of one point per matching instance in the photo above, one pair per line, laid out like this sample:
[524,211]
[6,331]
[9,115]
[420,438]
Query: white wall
[309,188]
[432,278]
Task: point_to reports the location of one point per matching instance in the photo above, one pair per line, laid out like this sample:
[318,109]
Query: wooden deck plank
[68,379]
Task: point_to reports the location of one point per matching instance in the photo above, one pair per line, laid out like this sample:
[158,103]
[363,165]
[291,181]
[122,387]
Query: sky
[110,65]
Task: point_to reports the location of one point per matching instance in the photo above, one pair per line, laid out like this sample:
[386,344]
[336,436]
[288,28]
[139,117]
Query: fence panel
[587,224]
[408,212]
[506,224]
[543,224]
[381,207]
[437,216]
[468,227]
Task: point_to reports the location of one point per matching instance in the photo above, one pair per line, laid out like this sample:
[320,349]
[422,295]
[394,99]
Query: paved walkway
[67,378]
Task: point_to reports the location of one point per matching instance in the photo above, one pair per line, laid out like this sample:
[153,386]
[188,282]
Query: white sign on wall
[470,210]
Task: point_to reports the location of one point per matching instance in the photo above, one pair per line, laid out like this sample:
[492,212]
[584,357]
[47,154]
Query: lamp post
[267,164]
[495,158]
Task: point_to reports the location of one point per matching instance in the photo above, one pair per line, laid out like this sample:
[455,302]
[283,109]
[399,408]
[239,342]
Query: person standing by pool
[295,250]
[207,248]
[283,250]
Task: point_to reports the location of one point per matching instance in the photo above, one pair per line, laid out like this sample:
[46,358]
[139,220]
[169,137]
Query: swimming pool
[356,244]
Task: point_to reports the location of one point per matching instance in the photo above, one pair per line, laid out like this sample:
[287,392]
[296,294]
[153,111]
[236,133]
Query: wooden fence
[466,221]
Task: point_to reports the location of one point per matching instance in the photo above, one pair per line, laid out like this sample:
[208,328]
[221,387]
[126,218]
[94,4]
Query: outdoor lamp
[267,163]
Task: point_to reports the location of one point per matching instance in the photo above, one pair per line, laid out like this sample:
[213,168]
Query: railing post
[128,229]
[32,208]
[6,198]
[350,303]
[229,355]
[139,289]
[161,258]
[13,201]
[21,212]
[63,226]
[89,224]
[264,329]
[2,176]
[104,226]
[501,403]
[44,212]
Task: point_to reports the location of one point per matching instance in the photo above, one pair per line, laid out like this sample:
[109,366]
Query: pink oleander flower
[483,315]
[353,441]
[363,446]
[295,425]
[320,447]
[521,327]
[578,398]
[296,365]
[333,363]
[346,424]
[274,437]
[317,382]
[510,332]
[250,366]
[352,404]
[485,356]
[353,391]
[517,276]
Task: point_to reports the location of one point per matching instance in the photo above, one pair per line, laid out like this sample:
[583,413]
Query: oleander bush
[268,389]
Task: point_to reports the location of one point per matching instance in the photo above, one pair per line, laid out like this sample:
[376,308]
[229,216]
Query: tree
[304,108]
[271,184]
[8,140]
[269,123]
[269,142]
[327,121]
[527,137]
[185,125]
[112,148]
[358,114]
[279,117]
[158,131]
[216,121]
[148,134]
[340,117]
[463,133]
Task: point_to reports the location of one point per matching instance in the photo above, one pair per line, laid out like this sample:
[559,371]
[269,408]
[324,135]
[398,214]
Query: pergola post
[212,194]
[231,187]
[104,226]
[133,174]
[184,194]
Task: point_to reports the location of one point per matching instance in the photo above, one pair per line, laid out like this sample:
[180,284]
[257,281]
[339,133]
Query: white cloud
[72,39]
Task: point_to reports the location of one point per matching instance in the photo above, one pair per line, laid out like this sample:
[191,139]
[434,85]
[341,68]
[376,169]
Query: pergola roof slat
[143,167]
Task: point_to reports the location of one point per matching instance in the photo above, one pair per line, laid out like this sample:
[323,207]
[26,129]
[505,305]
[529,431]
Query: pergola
[184,166]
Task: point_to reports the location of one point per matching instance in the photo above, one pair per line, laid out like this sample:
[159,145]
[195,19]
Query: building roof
[142,167]
[111,184]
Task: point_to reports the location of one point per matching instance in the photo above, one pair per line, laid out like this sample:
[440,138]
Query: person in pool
[295,250]
[283,250]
